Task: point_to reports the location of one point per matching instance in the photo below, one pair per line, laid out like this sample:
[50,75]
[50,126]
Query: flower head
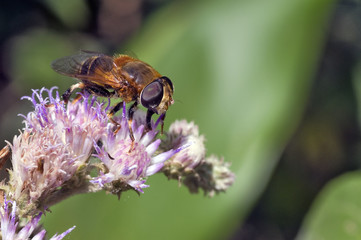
[129,163]
[190,166]
[212,175]
[10,225]
[183,133]
[51,158]
[77,125]
[56,142]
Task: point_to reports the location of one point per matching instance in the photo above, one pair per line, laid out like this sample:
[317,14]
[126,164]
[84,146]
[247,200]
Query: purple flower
[129,163]
[77,125]
[52,159]
[182,133]
[51,156]
[54,146]
[10,229]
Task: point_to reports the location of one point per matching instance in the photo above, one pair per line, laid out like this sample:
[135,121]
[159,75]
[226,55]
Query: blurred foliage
[272,88]
[336,213]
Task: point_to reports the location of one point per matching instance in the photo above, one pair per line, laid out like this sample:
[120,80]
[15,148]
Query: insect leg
[162,117]
[131,111]
[103,92]
[149,119]
[67,93]
[114,110]
[99,91]
[96,91]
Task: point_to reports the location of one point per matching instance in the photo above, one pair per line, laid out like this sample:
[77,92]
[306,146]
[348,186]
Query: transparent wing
[97,68]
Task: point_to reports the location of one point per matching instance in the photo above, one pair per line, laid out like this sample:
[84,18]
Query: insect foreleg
[162,117]
[68,92]
[149,119]
[131,111]
[114,110]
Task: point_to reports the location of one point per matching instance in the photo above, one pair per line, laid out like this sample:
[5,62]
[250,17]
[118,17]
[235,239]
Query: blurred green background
[274,86]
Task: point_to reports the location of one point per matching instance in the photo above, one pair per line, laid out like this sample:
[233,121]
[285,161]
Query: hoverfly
[121,76]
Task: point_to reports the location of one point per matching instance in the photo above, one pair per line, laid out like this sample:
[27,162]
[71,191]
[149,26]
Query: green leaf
[336,213]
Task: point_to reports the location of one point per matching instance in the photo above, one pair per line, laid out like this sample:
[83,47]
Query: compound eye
[152,95]
[169,82]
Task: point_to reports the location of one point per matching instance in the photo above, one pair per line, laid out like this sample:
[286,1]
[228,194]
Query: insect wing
[72,65]
[94,67]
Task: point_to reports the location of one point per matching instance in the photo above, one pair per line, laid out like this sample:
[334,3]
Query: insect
[123,77]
